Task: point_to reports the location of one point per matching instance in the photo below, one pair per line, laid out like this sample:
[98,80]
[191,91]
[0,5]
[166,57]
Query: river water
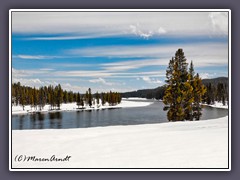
[109,117]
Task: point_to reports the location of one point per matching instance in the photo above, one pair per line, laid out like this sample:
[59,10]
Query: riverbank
[74,107]
[218,105]
[195,144]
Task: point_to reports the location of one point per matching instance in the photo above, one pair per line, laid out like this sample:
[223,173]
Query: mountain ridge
[158,92]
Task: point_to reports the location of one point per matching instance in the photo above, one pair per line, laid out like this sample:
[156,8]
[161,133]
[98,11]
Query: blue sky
[118,51]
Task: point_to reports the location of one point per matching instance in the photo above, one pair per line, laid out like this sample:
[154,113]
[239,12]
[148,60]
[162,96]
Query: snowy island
[73,107]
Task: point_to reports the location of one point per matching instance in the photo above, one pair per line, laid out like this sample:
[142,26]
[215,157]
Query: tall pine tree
[184,91]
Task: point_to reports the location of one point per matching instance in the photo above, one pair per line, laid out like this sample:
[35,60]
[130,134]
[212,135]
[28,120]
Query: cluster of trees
[218,92]
[184,91]
[112,98]
[55,96]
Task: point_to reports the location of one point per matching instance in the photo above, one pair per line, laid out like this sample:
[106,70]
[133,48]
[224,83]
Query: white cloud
[29,82]
[219,22]
[161,31]
[204,75]
[152,80]
[92,24]
[202,54]
[23,56]
[102,81]
[46,69]
[137,31]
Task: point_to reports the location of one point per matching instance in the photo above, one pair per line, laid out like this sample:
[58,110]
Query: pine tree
[58,95]
[35,98]
[78,100]
[89,97]
[70,96]
[86,98]
[31,101]
[97,98]
[103,98]
[174,95]
[22,97]
[65,97]
[198,92]
[81,101]
[184,92]
[41,98]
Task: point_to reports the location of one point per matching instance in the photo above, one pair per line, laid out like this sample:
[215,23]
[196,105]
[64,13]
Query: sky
[117,51]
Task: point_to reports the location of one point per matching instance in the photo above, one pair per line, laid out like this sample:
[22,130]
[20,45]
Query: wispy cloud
[102,81]
[24,56]
[219,22]
[152,80]
[143,24]
[137,31]
[212,54]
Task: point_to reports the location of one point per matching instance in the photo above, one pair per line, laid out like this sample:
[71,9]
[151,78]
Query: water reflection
[21,121]
[55,120]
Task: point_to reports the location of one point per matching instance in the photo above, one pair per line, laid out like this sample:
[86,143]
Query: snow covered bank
[73,107]
[196,144]
[218,105]
[135,98]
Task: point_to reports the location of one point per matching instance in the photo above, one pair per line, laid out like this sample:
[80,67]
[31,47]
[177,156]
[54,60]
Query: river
[109,117]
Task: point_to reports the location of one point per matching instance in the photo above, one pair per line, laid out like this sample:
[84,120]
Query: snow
[73,107]
[135,98]
[189,144]
[219,105]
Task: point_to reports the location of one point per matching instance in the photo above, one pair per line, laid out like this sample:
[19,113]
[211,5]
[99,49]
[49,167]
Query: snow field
[195,144]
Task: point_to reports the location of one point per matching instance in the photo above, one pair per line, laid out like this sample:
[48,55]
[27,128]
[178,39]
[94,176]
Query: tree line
[55,96]
[185,91]
[218,92]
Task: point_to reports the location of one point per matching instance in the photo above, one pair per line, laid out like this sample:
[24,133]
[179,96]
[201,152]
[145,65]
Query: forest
[37,98]
[217,90]
[185,91]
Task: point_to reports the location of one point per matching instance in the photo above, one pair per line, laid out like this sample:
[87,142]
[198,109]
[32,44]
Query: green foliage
[55,96]
[90,97]
[78,100]
[184,91]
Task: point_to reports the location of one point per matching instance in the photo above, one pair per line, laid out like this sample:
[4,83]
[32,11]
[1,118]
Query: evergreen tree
[81,101]
[31,99]
[198,92]
[86,98]
[89,97]
[22,97]
[41,98]
[181,98]
[78,100]
[70,96]
[35,98]
[174,95]
[103,98]
[97,98]
[59,95]
[65,97]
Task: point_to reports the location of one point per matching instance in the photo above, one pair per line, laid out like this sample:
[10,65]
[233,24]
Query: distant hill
[215,81]
[146,93]
[158,92]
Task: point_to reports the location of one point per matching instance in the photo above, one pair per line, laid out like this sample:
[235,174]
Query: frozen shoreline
[73,107]
[218,105]
[195,144]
